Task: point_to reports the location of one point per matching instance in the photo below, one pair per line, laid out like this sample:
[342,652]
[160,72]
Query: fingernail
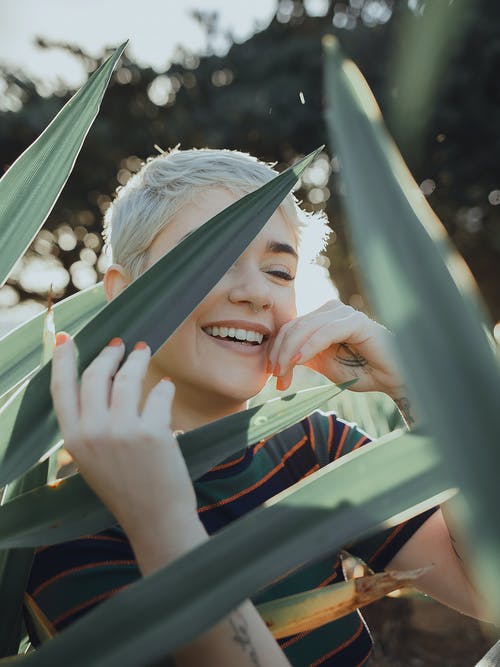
[61,338]
[276,370]
[269,366]
[296,358]
[115,342]
[280,382]
[141,345]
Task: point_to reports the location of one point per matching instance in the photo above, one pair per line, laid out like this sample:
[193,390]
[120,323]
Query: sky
[154,28]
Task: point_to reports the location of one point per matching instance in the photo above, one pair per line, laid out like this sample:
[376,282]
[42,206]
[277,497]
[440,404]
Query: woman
[119,423]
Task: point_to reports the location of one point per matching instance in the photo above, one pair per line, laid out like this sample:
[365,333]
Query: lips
[239,347]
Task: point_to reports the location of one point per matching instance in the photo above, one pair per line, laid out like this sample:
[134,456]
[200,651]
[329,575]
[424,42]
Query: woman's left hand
[342,344]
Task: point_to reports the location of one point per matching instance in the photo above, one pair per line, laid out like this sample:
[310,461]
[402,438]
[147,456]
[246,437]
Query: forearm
[241,638]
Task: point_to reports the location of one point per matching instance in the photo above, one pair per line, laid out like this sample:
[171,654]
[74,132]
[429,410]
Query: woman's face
[253,300]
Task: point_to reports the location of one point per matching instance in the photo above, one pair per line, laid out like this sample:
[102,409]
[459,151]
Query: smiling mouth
[232,334]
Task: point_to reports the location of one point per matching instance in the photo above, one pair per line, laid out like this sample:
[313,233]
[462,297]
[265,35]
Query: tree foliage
[265,96]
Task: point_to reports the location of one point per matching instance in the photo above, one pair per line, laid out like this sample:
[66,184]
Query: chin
[240,392]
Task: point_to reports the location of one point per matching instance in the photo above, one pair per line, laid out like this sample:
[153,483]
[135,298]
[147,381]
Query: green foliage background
[249,99]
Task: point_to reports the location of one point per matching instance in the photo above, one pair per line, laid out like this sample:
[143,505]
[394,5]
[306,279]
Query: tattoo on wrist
[404,407]
[241,636]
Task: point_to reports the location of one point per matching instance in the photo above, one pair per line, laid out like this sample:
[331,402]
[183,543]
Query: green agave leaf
[21,349]
[30,188]
[149,309]
[69,508]
[406,260]
[315,517]
[15,567]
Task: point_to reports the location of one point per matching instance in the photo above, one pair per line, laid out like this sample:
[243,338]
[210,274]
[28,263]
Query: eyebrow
[277,247]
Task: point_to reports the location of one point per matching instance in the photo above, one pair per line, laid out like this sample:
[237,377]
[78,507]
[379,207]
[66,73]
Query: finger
[290,351]
[64,388]
[342,331]
[284,382]
[332,308]
[96,381]
[126,391]
[157,412]
[273,352]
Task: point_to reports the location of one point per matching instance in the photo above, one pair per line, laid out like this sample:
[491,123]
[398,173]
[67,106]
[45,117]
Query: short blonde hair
[165,183]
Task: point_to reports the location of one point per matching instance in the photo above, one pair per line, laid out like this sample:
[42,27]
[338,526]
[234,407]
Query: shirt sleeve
[67,580]
[331,438]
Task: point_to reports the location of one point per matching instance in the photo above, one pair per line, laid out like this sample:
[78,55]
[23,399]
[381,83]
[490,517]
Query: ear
[115,281]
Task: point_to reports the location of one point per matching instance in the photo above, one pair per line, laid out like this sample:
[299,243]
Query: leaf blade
[67,509]
[140,624]
[31,186]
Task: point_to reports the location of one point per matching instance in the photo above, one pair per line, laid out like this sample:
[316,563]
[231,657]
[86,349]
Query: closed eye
[284,275]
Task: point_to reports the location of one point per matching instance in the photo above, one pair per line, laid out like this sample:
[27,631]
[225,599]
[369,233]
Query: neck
[192,406]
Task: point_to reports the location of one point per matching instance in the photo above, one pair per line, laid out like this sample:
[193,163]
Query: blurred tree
[265,96]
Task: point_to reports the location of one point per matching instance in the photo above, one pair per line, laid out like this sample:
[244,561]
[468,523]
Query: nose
[250,288]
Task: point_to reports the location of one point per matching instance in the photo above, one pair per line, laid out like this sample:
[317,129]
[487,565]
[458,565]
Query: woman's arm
[447,581]
[342,344]
[133,463]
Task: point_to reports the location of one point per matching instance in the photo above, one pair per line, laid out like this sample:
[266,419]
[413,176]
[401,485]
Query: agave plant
[321,514]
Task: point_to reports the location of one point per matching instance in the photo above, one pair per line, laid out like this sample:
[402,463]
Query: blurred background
[248,76]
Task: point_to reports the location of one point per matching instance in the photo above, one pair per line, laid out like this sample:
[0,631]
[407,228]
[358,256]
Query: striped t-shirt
[67,580]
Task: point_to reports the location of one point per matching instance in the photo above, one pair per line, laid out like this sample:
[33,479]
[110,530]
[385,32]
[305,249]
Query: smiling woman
[119,423]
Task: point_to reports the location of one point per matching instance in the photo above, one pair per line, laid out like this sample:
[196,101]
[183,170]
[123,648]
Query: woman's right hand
[129,458]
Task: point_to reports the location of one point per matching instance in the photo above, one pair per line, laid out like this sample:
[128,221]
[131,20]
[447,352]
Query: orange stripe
[256,448]
[259,445]
[87,603]
[330,433]
[389,539]
[364,659]
[339,648]
[313,439]
[310,472]
[228,464]
[360,442]
[341,443]
[261,481]
[80,568]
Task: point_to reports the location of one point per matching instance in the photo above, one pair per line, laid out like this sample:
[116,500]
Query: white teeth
[239,334]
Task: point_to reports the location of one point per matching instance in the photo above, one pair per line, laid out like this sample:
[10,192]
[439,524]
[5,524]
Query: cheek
[286,310]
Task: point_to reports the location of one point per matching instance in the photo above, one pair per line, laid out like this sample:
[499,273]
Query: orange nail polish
[280,384]
[269,366]
[115,342]
[276,370]
[61,338]
[141,345]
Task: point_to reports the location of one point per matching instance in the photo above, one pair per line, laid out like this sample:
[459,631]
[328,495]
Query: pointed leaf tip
[301,166]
